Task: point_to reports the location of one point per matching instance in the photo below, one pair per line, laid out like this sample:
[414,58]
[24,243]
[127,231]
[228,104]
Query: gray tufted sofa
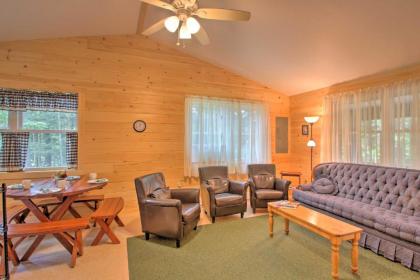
[384,201]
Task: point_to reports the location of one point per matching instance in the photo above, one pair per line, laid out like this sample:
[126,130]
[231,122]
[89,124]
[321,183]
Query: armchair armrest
[162,217]
[162,202]
[237,187]
[305,187]
[252,185]
[187,195]
[283,185]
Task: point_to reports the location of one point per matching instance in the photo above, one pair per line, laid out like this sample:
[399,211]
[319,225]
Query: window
[40,134]
[375,126]
[225,132]
[4,119]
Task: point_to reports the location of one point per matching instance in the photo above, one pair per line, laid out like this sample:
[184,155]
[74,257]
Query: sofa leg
[242,215]
[213,219]
[195,228]
[178,243]
[147,235]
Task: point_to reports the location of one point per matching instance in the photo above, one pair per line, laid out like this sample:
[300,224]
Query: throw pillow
[219,185]
[324,186]
[162,193]
[264,181]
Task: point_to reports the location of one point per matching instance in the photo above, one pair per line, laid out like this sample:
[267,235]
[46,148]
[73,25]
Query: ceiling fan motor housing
[189,5]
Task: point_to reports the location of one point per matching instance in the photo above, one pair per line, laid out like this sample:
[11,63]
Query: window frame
[15,118]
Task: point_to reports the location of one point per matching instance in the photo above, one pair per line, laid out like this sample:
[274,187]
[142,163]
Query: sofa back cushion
[263,181]
[394,189]
[219,185]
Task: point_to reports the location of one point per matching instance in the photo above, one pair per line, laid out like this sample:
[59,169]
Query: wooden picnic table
[67,196]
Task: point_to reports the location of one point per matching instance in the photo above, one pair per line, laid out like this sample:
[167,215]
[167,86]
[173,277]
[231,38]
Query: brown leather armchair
[265,187]
[219,195]
[170,213]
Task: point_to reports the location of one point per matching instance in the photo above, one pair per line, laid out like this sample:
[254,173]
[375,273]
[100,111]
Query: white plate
[16,187]
[46,191]
[98,181]
[73,178]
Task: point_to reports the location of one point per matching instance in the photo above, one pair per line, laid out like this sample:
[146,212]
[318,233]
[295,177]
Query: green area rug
[242,249]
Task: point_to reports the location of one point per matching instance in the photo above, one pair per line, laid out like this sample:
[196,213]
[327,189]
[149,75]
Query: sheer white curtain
[225,132]
[379,125]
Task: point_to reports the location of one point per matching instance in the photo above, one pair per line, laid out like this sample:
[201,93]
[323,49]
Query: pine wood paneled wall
[311,103]
[120,79]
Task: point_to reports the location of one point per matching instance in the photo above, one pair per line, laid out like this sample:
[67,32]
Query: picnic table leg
[105,229]
[58,214]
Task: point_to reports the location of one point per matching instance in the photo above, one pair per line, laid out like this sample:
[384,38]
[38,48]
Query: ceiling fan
[185,22]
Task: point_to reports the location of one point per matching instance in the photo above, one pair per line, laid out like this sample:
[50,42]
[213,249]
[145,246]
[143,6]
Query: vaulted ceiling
[292,46]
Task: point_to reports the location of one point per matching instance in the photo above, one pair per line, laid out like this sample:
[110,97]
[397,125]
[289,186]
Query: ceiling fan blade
[223,14]
[160,4]
[154,28]
[202,36]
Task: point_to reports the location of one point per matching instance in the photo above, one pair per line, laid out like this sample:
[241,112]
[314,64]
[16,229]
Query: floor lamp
[311,143]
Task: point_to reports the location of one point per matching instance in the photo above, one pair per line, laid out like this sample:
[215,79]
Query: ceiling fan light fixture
[184,33]
[172,23]
[193,25]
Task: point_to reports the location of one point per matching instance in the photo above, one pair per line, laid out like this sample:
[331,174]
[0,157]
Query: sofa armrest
[305,187]
[187,195]
[237,187]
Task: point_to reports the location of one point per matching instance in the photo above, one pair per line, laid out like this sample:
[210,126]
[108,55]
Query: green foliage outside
[47,140]
[47,149]
[4,119]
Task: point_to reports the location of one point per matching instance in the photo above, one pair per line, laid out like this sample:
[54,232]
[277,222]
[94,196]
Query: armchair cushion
[238,187]
[264,181]
[190,212]
[186,195]
[269,194]
[228,199]
[324,186]
[161,193]
[219,185]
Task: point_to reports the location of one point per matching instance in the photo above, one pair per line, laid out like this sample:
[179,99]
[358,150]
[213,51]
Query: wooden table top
[308,217]
[75,187]
[290,173]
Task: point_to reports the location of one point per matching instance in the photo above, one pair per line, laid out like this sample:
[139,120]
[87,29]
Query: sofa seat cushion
[267,194]
[228,199]
[190,212]
[398,225]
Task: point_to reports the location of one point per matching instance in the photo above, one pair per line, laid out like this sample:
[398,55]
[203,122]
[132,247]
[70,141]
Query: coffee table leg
[270,223]
[335,252]
[286,226]
[355,253]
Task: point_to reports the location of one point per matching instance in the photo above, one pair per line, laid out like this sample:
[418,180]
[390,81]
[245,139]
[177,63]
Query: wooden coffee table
[334,230]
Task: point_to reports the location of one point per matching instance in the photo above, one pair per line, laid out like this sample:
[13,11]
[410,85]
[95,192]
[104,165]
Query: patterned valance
[14,99]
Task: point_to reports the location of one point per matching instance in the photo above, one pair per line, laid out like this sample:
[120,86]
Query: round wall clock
[139,126]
